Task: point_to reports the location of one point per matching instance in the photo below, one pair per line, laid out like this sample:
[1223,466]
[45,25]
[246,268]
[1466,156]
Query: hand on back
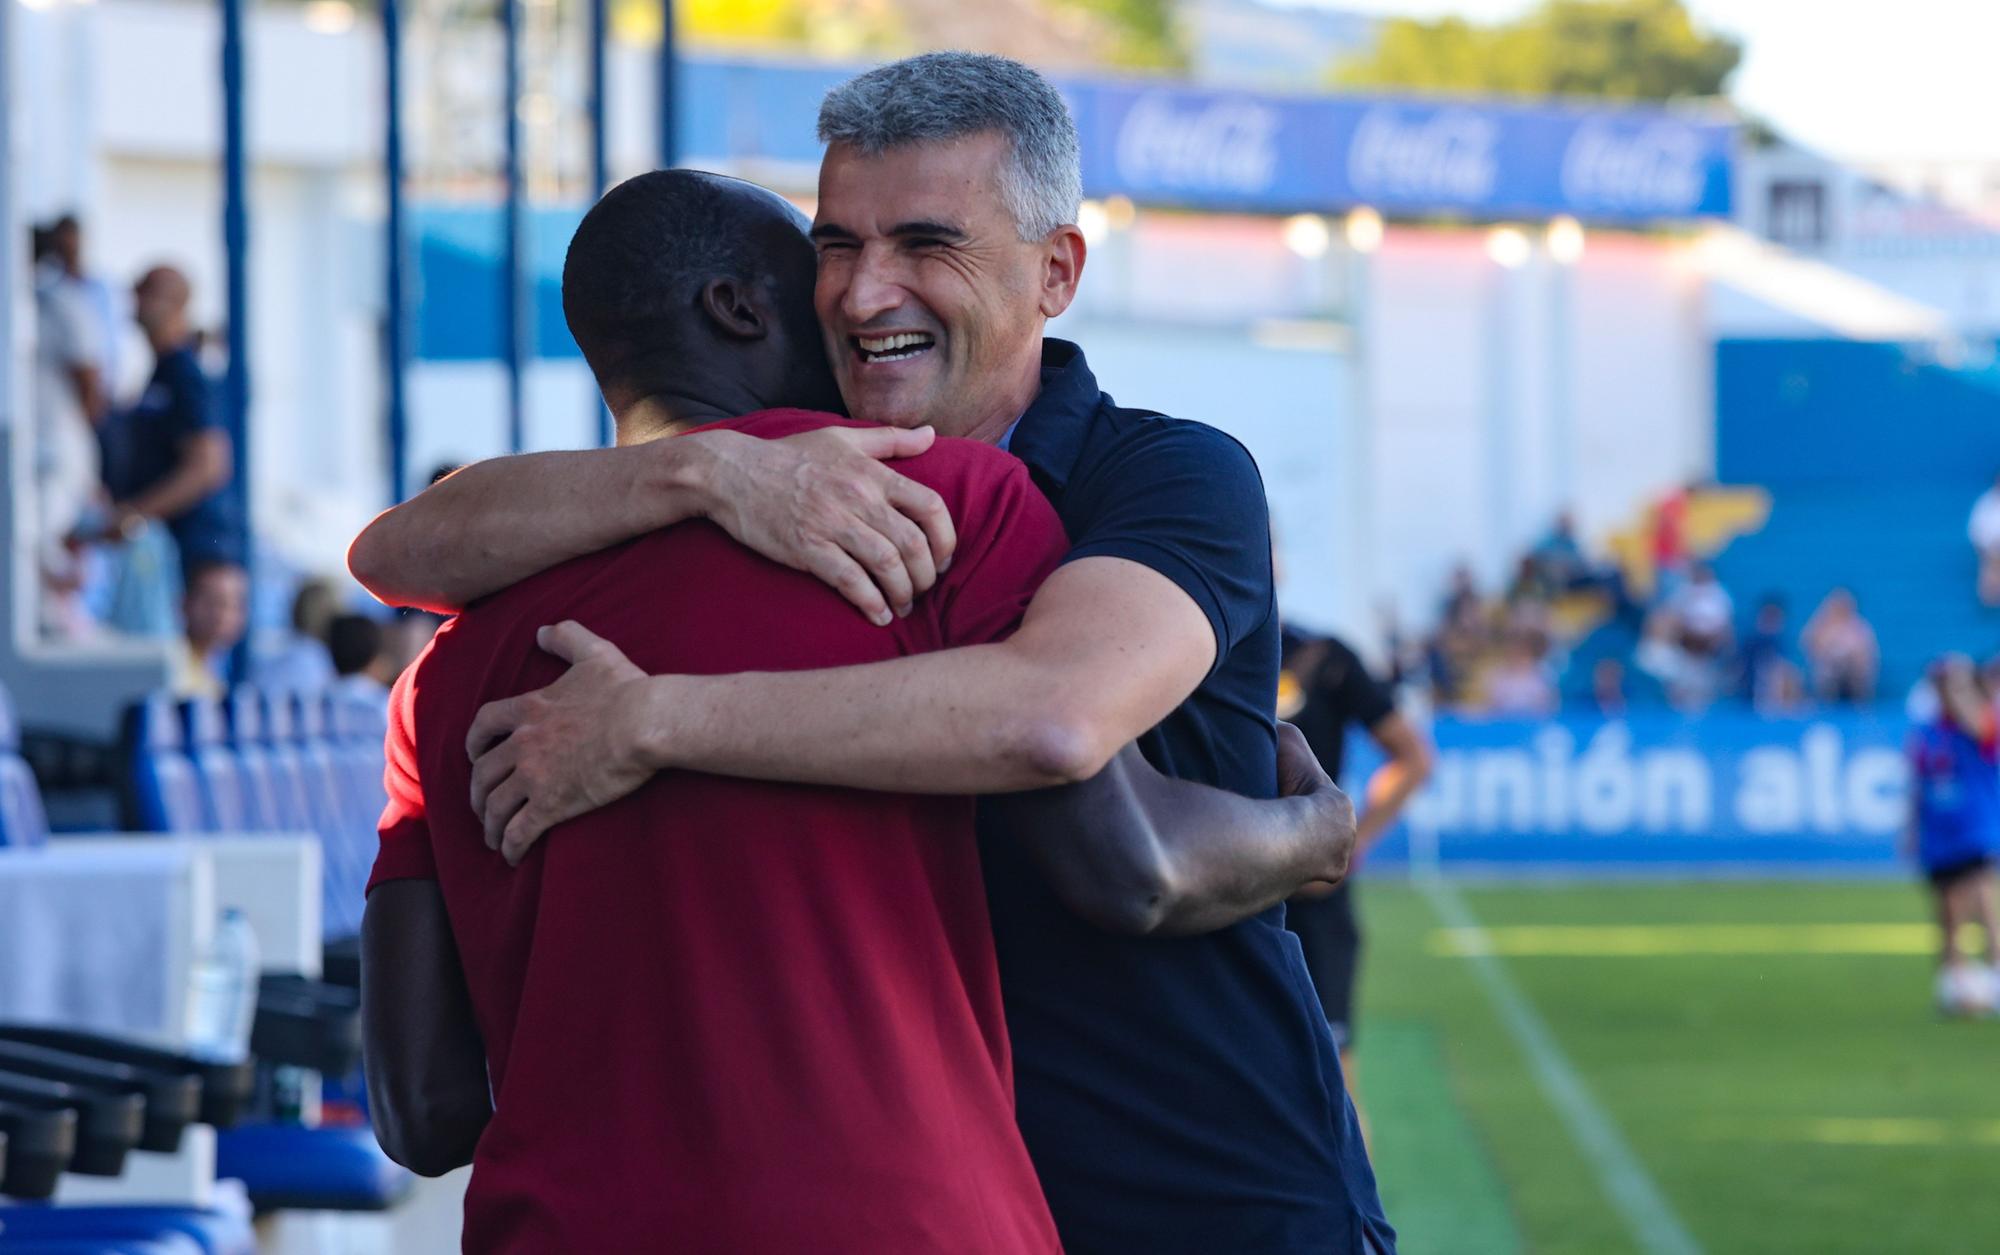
[826,503]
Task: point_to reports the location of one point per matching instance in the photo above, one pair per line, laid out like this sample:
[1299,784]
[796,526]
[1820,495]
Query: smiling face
[931,304]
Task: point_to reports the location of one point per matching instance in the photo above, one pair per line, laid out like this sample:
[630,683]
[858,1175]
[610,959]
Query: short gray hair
[943,96]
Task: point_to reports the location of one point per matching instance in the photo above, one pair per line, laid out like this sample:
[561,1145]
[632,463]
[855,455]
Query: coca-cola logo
[1658,168]
[1226,145]
[1442,155]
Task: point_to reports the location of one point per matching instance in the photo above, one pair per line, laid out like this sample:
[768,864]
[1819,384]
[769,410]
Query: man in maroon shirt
[725,1015]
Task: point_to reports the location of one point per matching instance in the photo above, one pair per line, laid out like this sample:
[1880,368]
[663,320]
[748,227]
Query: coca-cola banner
[1170,144]
[1241,151]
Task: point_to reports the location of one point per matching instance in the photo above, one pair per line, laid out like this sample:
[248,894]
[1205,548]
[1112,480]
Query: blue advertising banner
[1159,144]
[1718,791]
[1483,158]
[1201,148]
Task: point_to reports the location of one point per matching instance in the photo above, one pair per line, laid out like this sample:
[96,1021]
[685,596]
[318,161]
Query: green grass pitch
[1768,1052]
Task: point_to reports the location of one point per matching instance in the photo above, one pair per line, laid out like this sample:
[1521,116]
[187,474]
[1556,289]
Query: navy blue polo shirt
[178,404]
[1178,1095]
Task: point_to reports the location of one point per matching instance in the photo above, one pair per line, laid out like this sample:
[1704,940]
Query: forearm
[184,488]
[975,720]
[427,1087]
[1388,791]
[495,523]
[1048,706]
[1231,857]
[1136,852]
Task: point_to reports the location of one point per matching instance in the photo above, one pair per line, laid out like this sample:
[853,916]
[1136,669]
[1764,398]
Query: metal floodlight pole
[236,260]
[395,248]
[514,300]
[669,114]
[600,165]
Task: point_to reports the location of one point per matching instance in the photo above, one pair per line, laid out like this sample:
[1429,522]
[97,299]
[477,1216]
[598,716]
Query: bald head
[693,292]
[160,306]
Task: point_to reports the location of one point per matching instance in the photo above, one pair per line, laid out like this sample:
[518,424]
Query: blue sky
[1853,78]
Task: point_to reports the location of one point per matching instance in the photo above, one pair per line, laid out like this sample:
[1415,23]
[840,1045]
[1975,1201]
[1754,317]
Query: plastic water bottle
[222,992]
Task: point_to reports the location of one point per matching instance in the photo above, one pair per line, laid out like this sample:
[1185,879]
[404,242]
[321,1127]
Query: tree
[1142,33]
[1618,49]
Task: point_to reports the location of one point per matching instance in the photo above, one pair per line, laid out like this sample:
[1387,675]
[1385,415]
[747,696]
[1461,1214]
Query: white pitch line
[1625,1181]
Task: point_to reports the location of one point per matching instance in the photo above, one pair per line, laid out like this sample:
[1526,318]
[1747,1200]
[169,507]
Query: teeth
[888,344]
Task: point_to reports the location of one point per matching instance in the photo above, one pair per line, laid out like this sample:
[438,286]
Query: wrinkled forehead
[954,181]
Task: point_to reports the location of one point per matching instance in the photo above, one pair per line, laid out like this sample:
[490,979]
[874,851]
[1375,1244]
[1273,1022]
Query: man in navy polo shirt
[1177,1095]
[173,457]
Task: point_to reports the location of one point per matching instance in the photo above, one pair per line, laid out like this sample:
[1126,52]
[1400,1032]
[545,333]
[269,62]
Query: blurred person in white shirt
[1707,614]
[69,399]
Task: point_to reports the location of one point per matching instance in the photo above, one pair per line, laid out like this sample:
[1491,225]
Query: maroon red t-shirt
[722,1015]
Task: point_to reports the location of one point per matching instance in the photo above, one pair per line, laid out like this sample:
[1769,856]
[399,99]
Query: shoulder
[1125,437]
[1140,464]
[779,423]
[182,371]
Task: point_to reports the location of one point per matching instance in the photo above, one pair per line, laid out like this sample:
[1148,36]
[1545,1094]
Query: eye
[923,243]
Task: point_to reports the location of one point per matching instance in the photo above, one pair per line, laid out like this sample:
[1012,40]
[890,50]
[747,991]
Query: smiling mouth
[893,348]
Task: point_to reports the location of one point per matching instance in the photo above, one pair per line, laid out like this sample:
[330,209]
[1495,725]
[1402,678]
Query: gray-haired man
[1178,1095]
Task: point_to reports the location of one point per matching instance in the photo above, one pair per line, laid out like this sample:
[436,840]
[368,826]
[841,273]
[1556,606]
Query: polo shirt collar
[1049,436]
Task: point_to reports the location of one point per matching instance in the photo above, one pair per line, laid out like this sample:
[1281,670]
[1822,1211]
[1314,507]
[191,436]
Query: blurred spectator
[1841,651]
[1562,566]
[362,660]
[66,240]
[1558,557]
[68,401]
[1463,606]
[1955,829]
[300,662]
[1526,611]
[216,610]
[1784,694]
[1670,543]
[1689,680]
[1519,686]
[175,457]
[1764,647]
[1984,530]
[1607,688]
[1707,614]
[405,638]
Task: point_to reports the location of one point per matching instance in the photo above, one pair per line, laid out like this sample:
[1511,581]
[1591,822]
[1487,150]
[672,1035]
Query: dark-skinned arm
[1138,853]
[427,1087]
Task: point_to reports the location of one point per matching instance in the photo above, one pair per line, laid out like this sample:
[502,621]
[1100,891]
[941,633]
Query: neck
[169,337]
[658,414]
[652,418]
[1007,402]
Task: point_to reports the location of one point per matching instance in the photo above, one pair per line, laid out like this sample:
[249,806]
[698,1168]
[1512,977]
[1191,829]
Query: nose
[872,289]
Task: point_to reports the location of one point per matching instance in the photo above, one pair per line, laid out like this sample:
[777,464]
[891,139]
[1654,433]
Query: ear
[732,310]
[1064,269]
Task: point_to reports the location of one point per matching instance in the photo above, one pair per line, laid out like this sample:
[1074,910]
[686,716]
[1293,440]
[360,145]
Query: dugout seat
[164,791]
[23,822]
[226,805]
